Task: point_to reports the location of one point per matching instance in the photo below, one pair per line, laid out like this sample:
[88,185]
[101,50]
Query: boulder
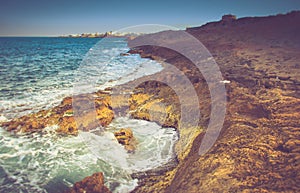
[126,138]
[90,184]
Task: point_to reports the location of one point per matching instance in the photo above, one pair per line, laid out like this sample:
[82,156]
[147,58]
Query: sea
[37,73]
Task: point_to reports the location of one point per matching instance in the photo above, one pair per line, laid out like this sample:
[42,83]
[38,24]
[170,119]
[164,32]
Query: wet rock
[126,138]
[24,124]
[90,184]
[124,54]
[67,125]
[105,115]
[63,116]
[87,121]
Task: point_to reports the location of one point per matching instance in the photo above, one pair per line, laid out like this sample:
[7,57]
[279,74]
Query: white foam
[3,119]
[103,67]
[225,81]
[155,145]
[35,160]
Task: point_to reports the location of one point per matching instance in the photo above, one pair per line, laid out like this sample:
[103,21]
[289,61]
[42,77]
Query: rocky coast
[258,149]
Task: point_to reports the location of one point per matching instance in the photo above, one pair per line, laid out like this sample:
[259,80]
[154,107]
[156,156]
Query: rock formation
[258,148]
[90,184]
[126,138]
[63,116]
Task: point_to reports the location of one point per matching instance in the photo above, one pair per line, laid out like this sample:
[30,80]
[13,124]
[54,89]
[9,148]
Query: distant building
[228,18]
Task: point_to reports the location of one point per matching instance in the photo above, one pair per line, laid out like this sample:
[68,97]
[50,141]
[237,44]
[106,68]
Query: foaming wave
[104,66]
[48,162]
[155,146]
[34,102]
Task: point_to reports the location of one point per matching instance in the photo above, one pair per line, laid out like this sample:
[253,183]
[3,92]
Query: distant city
[101,35]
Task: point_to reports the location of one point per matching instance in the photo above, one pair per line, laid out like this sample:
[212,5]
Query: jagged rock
[126,138]
[67,125]
[87,121]
[63,116]
[24,124]
[150,106]
[90,184]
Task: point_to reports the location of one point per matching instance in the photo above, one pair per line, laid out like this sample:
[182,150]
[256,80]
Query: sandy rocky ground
[258,149]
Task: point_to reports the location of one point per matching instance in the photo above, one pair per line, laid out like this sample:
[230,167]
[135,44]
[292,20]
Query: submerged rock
[126,138]
[90,184]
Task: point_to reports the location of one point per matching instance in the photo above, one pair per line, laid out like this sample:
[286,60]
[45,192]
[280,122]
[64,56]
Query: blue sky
[57,17]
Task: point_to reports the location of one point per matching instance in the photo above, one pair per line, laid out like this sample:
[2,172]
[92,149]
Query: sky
[62,17]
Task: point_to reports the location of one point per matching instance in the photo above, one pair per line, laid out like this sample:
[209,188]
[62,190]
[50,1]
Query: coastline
[258,146]
[261,125]
[63,115]
[142,96]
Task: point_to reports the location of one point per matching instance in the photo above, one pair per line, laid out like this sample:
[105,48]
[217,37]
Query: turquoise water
[34,67]
[37,73]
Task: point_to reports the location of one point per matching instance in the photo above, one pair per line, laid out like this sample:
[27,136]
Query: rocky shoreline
[258,149]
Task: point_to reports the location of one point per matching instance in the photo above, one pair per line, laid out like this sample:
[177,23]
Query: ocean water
[37,73]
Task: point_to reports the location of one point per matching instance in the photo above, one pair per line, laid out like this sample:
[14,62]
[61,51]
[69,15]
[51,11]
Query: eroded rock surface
[258,147]
[126,138]
[63,116]
[90,184]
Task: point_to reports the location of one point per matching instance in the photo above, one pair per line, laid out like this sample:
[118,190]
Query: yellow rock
[126,138]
